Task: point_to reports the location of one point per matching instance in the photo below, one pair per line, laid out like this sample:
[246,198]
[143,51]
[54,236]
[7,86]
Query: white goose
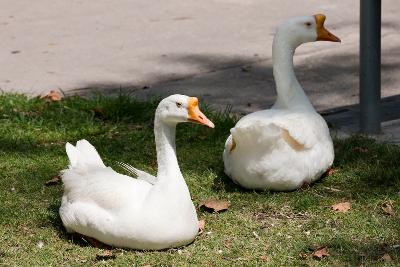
[288,145]
[144,213]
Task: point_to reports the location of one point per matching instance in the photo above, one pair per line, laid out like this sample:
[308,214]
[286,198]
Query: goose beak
[322,33]
[195,115]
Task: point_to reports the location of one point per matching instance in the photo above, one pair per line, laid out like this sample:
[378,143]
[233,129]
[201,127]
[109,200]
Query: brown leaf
[53,96]
[215,205]
[320,252]
[202,225]
[331,171]
[264,258]
[54,180]
[386,257]
[341,207]
[387,208]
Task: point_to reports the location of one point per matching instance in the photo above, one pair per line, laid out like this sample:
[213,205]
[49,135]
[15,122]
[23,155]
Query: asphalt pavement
[219,50]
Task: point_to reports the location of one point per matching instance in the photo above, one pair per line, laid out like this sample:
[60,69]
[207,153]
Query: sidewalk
[219,50]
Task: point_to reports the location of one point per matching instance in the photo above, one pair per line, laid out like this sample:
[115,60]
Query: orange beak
[322,33]
[195,115]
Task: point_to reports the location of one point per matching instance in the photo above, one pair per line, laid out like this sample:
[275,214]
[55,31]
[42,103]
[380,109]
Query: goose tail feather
[83,155]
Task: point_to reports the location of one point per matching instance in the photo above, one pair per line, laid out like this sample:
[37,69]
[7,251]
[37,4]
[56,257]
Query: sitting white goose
[288,145]
[144,213]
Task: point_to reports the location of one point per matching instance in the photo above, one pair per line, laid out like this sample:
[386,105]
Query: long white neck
[166,152]
[171,189]
[290,93]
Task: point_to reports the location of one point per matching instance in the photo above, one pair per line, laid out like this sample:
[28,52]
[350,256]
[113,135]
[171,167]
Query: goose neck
[290,93]
[166,151]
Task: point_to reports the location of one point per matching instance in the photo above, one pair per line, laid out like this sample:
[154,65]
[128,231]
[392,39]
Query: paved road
[217,49]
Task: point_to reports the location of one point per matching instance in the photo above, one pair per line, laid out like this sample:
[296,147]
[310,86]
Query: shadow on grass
[365,252]
[15,145]
[55,220]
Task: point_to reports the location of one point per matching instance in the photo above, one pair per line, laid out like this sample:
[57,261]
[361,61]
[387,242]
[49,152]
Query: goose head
[181,108]
[299,30]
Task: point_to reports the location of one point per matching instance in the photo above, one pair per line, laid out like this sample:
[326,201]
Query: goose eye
[178,104]
[308,24]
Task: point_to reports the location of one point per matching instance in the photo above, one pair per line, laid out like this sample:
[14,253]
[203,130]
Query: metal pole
[370,66]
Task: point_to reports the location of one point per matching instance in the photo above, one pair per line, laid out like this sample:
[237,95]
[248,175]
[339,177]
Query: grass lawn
[259,228]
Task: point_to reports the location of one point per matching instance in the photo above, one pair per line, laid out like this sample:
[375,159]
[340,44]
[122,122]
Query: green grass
[285,227]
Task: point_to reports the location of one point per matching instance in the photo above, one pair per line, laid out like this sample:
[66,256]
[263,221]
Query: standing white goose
[288,145]
[144,213]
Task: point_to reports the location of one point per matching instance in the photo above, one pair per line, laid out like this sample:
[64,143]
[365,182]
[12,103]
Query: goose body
[145,212]
[288,145]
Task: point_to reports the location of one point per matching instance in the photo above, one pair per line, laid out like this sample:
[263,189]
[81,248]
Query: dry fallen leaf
[387,208]
[386,257]
[320,252]
[264,258]
[331,171]
[202,225]
[54,180]
[341,207]
[53,96]
[215,205]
